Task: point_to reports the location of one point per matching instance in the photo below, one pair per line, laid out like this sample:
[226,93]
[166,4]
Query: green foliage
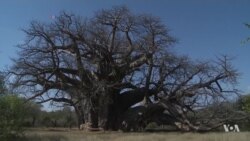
[33,113]
[152,125]
[70,118]
[60,118]
[2,84]
[12,114]
[246,103]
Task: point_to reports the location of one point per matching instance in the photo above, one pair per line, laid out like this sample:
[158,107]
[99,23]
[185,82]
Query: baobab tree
[104,65]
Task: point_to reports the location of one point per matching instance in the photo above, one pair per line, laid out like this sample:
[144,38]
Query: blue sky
[205,28]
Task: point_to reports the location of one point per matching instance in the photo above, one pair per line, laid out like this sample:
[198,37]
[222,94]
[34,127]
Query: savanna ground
[74,135]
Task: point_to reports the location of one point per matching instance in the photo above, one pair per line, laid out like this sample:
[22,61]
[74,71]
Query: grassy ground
[74,135]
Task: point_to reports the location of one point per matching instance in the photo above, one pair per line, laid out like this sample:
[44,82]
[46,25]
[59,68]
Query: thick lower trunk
[94,118]
[113,118]
[91,119]
[103,116]
[90,113]
[106,111]
[111,114]
[80,115]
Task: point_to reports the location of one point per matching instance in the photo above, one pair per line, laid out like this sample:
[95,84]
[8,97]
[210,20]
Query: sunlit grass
[65,135]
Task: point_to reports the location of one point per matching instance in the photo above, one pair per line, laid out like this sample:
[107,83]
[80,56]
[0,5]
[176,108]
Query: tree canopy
[105,64]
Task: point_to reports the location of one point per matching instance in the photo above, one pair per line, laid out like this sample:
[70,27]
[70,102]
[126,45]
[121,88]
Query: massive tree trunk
[108,112]
[91,113]
[79,115]
[111,112]
[112,118]
[103,111]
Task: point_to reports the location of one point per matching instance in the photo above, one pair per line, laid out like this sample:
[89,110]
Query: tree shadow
[39,138]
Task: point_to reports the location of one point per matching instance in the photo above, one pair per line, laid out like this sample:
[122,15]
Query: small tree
[243,105]
[69,118]
[33,112]
[12,113]
[2,84]
[246,103]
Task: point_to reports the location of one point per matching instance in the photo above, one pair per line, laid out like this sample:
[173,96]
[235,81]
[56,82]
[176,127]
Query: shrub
[12,114]
[152,125]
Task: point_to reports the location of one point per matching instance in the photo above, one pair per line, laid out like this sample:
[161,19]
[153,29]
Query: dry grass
[73,135]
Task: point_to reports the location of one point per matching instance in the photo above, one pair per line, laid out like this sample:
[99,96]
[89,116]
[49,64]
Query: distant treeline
[60,118]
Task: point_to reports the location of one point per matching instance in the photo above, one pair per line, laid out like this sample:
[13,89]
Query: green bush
[246,103]
[152,125]
[12,114]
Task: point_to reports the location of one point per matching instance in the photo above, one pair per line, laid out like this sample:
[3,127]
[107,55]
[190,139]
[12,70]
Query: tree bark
[91,115]
[80,115]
